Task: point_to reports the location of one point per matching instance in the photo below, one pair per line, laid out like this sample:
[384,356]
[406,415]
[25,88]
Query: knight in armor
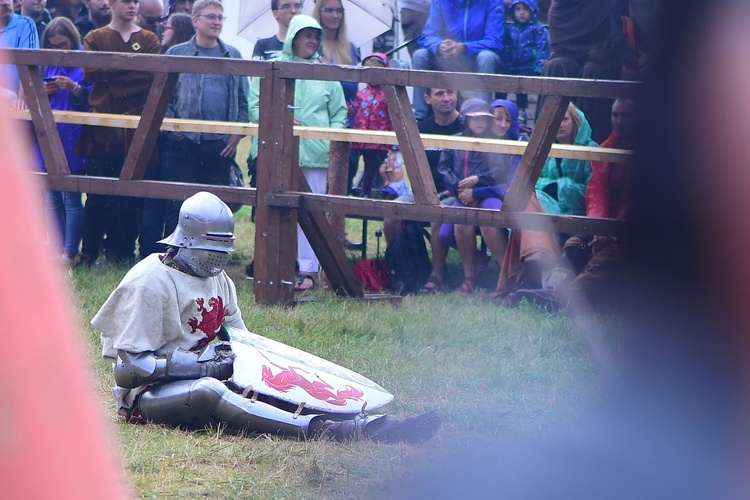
[163,330]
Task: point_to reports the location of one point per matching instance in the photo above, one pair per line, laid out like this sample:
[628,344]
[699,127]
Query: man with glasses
[283,11]
[205,158]
[150,16]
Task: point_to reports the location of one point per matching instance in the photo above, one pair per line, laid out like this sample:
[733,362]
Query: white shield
[296,376]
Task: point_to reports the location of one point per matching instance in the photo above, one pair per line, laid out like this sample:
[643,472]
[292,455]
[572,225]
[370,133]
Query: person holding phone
[67,90]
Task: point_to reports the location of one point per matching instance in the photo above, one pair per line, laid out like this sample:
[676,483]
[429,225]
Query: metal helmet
[204,235]
[205,223]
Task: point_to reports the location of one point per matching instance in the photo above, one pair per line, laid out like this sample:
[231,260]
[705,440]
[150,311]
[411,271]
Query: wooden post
[550,118]
[275,228]
[338,176]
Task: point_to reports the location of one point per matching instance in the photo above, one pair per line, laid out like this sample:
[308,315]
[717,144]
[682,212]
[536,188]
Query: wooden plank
[350,135]
[144,141]
[410,144]
[381,76]
[328,249]
[147,189]
[45,128]
[370,208]
[275,227]
[537,151]
[462,81]
[154,63]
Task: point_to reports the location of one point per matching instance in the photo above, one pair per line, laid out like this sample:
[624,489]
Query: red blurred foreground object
[53,438]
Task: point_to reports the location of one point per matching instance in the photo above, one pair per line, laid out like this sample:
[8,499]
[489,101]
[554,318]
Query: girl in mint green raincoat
[561,186]
[318,103]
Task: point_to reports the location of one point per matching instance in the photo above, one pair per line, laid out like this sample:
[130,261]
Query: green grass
[489,371]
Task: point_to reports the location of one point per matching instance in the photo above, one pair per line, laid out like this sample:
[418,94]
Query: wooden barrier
[282,197]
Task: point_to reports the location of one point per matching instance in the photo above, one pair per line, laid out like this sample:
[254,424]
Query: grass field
[491,372]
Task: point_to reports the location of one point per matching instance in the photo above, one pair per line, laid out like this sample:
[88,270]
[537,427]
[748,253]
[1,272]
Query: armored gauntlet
[136,369]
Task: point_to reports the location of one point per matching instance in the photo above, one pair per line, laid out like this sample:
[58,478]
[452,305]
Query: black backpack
[406,260]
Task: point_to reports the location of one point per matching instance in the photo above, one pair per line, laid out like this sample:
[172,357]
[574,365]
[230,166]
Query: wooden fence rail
[282,197]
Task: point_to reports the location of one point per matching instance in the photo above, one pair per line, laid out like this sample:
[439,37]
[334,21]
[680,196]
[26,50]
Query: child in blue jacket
[525,45]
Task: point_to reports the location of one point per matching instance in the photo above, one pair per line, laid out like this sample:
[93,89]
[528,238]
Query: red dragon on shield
[290,377]
[211,319]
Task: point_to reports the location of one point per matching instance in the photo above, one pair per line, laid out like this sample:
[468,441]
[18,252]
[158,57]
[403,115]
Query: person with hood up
[525,45]
[562,184]
[469,176]
[370,112]
[318,104]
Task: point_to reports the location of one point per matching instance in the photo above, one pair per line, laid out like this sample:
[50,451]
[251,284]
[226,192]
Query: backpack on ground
[406,260]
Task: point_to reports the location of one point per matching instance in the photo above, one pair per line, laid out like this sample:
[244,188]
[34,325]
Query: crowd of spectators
[609,39]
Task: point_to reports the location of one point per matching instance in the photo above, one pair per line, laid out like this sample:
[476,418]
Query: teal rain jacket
[568,179]
[319,103]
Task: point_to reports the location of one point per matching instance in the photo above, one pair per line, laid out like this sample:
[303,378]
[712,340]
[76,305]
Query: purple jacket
[69,132]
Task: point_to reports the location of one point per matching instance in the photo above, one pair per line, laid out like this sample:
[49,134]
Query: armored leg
[197,403]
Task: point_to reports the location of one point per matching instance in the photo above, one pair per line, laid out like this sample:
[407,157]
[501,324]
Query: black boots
[380,428]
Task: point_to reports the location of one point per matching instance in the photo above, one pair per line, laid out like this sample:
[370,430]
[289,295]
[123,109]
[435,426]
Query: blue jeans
[66,210]
[484,62]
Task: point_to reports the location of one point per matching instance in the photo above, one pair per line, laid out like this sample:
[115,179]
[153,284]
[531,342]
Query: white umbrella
[365,19]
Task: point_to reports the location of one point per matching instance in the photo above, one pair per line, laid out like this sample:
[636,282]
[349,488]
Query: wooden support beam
[144,141]
[452,215]
[410,144]
[275,227]
[337,134]
[47,134]
[146,189]
[461,81]
[328,249]
[537,151]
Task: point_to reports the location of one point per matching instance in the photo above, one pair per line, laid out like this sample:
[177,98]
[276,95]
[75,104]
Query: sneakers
[381,429]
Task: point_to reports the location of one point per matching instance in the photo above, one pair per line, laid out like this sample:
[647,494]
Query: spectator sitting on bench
[468,175]
[460,38]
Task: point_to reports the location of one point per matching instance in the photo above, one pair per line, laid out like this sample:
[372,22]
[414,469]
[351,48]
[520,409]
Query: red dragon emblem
[290,377]
[211,319]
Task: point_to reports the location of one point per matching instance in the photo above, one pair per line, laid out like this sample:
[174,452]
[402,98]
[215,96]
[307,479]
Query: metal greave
[197,403]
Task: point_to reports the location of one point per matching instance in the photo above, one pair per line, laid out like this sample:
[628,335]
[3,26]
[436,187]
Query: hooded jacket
[503,165]
[567,177]
[478,24]
[526,45]
[456,164]
[320,103]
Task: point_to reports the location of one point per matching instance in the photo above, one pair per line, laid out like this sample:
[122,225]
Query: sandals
[300,285]
[432,285]
[467,286]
